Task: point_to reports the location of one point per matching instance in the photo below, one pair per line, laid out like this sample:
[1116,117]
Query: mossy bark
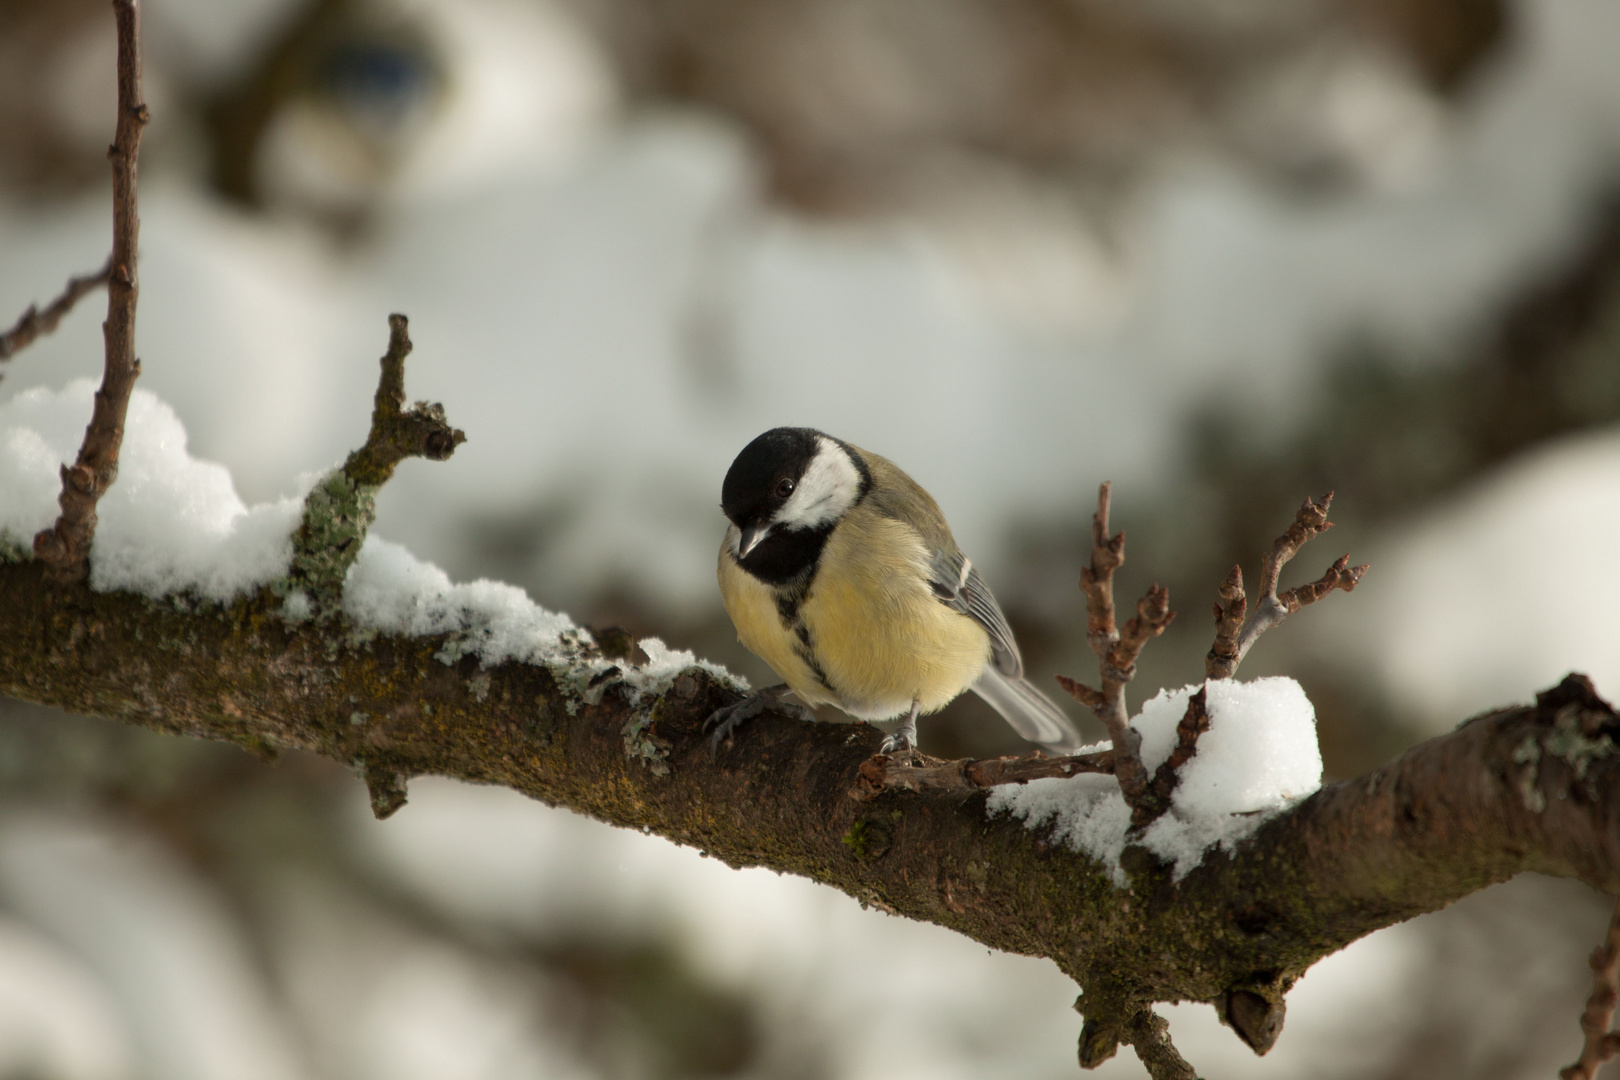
[1526,788]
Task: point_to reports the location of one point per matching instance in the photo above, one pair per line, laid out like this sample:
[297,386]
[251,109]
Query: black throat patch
[787,555]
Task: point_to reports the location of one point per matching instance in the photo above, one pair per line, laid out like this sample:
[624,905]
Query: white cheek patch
[828,487]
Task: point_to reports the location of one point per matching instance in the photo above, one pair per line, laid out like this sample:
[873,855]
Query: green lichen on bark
[339,510]
[338,513]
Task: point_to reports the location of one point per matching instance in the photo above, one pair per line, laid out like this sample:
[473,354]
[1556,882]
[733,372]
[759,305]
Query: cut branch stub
[340,509]
[65,547]
[1256,1011]
[1231,644]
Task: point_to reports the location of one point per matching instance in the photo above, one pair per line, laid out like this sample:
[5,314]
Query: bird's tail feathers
[1031,713]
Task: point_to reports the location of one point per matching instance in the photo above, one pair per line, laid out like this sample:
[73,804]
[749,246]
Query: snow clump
[170,524]
[1259,757]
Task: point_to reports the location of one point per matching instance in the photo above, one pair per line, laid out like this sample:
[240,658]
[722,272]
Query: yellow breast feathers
[868,634]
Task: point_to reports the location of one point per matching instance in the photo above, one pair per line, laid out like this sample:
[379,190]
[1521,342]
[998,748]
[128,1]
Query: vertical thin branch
[1601,1044]
[1116,651]
[1222,659]
[66,546]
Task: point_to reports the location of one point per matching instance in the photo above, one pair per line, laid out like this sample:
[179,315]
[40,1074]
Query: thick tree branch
[35,323]
[1525,788]
[65,547]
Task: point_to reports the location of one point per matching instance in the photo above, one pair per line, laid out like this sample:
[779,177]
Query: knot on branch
[1576,728]
[385,785]
[1256,1010]
[339,510]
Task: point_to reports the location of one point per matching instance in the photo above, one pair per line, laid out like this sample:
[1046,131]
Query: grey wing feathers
[957,583]
[1030,712]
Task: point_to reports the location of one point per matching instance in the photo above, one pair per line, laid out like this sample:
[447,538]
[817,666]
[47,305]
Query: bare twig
[1601,1044]
[1116,651]
[1194,722]
[1231,646]
[36,323]
[65,547]
[1149,1035]
[1223,655]
[882,772]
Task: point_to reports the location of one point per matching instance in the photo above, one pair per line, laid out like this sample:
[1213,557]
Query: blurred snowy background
[1221,252]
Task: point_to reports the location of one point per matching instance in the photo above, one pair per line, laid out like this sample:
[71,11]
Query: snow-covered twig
[1231,643]
[35,323]
[65,547]
[1116,651]
[1601,1044]
[883,772]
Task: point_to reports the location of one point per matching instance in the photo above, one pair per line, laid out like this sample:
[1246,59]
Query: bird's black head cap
[760,479]
[780,534]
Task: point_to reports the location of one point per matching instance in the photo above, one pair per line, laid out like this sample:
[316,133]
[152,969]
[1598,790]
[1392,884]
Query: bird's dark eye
[784,489]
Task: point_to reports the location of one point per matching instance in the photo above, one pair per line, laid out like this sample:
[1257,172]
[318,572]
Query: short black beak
[751,536]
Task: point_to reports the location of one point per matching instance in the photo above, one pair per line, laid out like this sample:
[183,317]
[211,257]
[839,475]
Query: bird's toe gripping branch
[341,507]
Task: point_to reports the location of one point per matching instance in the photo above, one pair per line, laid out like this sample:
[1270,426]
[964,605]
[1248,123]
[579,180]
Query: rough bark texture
[1523,788]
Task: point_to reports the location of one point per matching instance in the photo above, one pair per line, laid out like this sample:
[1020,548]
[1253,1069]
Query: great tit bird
[840,572]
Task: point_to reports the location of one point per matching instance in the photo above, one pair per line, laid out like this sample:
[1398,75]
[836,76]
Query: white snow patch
[390,589]
[170,524]
[1258,757]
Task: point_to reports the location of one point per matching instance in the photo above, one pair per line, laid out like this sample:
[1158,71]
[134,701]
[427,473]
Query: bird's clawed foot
[724,721]
[903,743]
